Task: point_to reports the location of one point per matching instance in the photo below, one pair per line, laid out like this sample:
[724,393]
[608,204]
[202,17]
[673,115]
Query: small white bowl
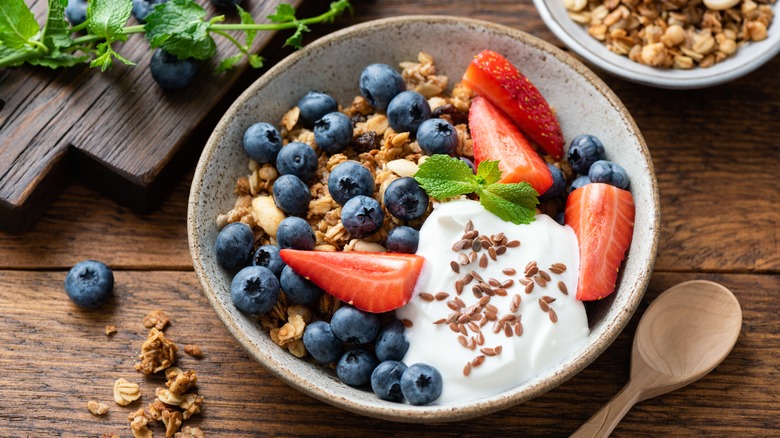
[747,58]
[333,64]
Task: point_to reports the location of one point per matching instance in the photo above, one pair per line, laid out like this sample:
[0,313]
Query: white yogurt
[543,343]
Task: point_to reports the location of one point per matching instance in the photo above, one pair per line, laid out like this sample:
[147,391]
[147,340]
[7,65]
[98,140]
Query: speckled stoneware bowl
[333,64]
[748,58]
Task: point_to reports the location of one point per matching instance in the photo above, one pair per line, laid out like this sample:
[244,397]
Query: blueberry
[355,326]
[262,142]
[291,195]
[405,199]
[403,239]
[604,171]
[558,186]
[348,180]
[142,8]
[297,288]
[297,159]
[76,11]
[294,232]
[560,218]
[437,136]
[579,182]
[379,84]
[234,245]
[585,150]
[170,72]
[421,384]
[386,380]
[333,132]
[321,343]
[314,105]
[89,283]
[470,163]
[361,216]
[391,343]
[355,367]
[225,4]
[268,256]
[407,111]
[255,290]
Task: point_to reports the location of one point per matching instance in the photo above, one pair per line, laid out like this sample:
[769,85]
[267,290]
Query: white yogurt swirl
[543,343]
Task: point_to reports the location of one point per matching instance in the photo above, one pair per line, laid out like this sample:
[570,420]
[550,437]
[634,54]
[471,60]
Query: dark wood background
[716,153]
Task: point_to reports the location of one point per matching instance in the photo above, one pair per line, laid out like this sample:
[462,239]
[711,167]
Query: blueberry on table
[386,380]
[234,245]
[225,4]
[407,111]
[437,136]
[294,232]
[354,326]
[333,132]
[379,84]
[585,150]
[391,343]
[268,256]
[403,239]
[355,367]
[291,195]
[254,290]
[321,343]
[89,283]
[314,105]
[362,216]
[297,288]
[76,11]
[348,180]
[579,182]
[170,72]
[142,8]
[297,159]
[405,199]
[558,186]
[421,384]
[604,171]
[262,142]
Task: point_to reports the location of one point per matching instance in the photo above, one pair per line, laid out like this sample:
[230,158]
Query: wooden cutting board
[117,130]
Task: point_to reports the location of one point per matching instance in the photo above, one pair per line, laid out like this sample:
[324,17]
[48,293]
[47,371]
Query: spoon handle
[605,420]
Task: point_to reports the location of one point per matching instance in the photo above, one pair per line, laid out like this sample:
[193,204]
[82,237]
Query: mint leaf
[442,176]
[17,24]
[246,18]
[296,40]
[178,28]
[106,18]
[515,203]
[489,172]
[228,63]
[284,13]
[55,32]
[256,61]
[60,60]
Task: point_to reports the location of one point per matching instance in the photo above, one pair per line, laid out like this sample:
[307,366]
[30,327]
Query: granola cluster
[678,34]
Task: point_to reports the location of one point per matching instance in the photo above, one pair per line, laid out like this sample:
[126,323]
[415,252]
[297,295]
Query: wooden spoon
[684,334]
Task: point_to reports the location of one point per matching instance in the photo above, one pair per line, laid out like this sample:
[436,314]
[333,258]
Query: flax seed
[472,256]
[518,326]
[492,253]
[500,250]
[543,305]
[516,299]
[501,292]
[471,310]
[467,369]
[553,316]
[562,287]
[560,266]
[499,349]
[464,319]
[440,321]
[492,309]
[513,244]
[508,283]
[459,286]
[548,299]
[472,343]
[441,296]
[480,338]
[483,261]
[488,351]
[470,235]
[478,361]
[467,279]
[463,259]
[490,316]
[508,317]
[469,226]
[555,270]
[540,281]
[503,241]
[452,317]
[476,275]
[525,281]
[509,271]
[544,275]
[483,321]
[508,330]
[463,341]
[497,327]
[473,326]
[407,323]
[457,246]
[493,282]
[462,329]
[530,272]
[483,301]
[455,267]
[477,292]
[460,302]
[530,265]
[453,305]
[529,288]
[476,245]
[454,327]
[425,296]
[487,290]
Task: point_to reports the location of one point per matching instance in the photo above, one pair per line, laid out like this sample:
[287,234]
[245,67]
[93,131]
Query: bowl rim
[620,66]
[429,413]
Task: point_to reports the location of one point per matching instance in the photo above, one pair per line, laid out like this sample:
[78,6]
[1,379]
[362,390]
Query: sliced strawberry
[602,217]
[495,137]
[492,76]
[373,282]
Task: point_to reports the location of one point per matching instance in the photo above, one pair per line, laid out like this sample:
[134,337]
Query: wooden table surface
[716,153]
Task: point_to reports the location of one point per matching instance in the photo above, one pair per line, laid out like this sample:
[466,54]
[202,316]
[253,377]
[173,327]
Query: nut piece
[96,407]
[402,167]
[191,403]
[193,350]
[126,392]
[138,422]
[190,432]
[156,319]
[182,382]
[172,421]
[267,214]
[157,353]
[110,330]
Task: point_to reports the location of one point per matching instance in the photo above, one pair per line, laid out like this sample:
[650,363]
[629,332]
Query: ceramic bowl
[748,58]
[333,64]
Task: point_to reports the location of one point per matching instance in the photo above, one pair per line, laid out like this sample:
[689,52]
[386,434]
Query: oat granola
[126,392]
[157,353]
[157,319]
[97,408]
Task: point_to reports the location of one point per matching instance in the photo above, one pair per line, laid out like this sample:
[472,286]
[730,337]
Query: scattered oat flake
[126,392]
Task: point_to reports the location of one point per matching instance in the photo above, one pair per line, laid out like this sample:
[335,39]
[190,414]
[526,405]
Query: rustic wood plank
[55,358]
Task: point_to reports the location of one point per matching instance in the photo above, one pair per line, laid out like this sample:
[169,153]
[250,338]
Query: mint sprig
[443,177]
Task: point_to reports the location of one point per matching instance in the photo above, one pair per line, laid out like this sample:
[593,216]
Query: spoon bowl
[684,334]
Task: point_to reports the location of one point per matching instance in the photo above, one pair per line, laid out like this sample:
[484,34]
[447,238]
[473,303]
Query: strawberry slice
[495,137]
[495,78]
[603,220]
[373,282]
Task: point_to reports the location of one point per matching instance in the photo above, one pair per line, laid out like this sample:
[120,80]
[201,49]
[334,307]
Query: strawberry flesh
[602,217]
[372,282]
[494,77]
[495,137]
